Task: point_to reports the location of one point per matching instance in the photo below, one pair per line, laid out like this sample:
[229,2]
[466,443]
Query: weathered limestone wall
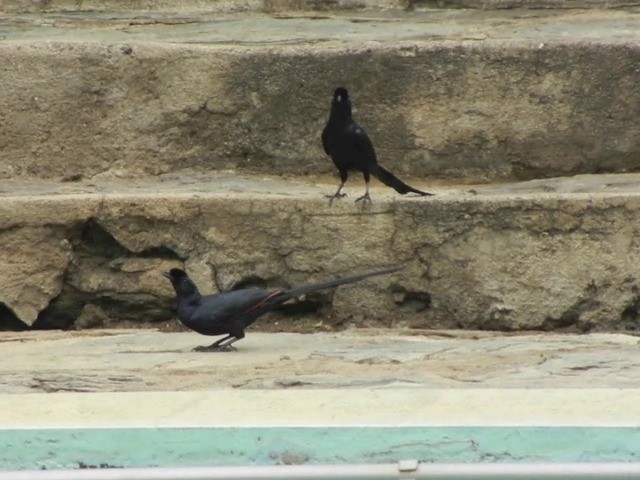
[21,6]
[486,261]
[459,98]
[534,4]
[462,113]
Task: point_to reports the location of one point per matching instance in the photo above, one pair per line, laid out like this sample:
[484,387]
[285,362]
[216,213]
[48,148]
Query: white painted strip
[484,471]
[325,408]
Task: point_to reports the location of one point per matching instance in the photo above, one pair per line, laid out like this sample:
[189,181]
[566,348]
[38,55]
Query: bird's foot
[364,199]
[215,348]
[334,196]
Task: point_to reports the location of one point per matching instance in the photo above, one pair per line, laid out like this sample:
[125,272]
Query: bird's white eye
[339,98]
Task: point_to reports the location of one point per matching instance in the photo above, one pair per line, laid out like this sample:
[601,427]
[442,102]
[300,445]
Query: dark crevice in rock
[135,306]
[104,310]
[97,255]
[95,240]
[248,282]
[109,309]
[567,320]
[9,321]
[159,252]
[410,300]
[572,318]
[62,311]
[630,316]
[307,306]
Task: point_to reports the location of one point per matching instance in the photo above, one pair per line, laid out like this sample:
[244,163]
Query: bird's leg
[214,347]
[365,198]
[344,174]
[227,346]
[338,194]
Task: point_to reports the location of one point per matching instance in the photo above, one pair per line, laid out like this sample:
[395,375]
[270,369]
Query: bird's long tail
[390,180]
[314,287]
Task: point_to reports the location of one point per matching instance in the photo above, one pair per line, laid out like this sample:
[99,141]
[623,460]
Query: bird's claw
[334,196]
[364,199]
[217,348]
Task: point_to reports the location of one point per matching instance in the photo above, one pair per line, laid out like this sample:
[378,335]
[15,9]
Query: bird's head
[340,105]
[181,282]
[175,274]
[340,95]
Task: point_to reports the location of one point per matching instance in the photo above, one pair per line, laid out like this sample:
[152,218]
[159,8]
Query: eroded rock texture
[454,98]
[487,261]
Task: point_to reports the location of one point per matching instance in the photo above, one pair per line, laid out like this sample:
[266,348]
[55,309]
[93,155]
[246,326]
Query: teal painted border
[164,447]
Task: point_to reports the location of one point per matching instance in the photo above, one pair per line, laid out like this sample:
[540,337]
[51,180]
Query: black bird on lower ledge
[231,312]
[349,147]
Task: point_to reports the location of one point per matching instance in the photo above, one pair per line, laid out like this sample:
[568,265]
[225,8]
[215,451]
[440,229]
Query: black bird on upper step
[350,148]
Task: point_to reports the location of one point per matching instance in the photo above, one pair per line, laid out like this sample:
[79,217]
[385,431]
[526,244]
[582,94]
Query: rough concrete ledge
[532,4]
[400,361]
[24,6]
[202,6]
[468,96]
[506,258]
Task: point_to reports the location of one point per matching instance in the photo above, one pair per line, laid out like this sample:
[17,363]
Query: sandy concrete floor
[326,29]
[146,360]
[361,377]
[238,184]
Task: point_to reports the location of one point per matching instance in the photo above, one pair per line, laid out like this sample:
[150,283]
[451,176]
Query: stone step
[143,360]
[456,96]
[532,4]
[40,6]
[547,254]
[78,399]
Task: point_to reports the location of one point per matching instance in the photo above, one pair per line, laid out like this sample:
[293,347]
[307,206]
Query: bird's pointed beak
[166,275]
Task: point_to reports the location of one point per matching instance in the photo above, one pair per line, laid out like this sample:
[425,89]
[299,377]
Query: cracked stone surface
[145,360]
[558,254]
[462,96]
[219,6]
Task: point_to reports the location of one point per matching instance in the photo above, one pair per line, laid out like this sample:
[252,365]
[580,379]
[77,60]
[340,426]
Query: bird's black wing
[233,311]
[283,296]
[215,311]
[361,143]
[325,140]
